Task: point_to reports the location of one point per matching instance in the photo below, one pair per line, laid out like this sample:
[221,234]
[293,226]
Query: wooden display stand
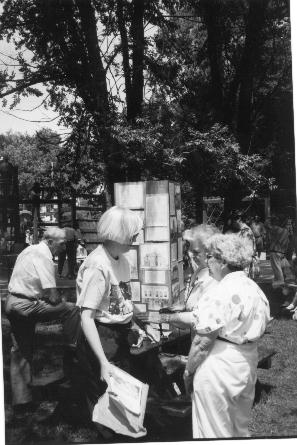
[156,258]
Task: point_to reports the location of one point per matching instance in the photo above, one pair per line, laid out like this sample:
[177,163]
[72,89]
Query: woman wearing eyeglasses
[199,284]
[221,368]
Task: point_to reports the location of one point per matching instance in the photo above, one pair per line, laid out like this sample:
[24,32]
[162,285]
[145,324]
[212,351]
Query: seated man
[33,298]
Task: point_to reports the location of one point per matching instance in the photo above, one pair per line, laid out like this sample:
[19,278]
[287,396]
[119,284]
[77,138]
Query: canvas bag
[122,406]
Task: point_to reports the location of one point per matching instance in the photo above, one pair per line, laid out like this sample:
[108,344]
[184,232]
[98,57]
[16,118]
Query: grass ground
[275,414]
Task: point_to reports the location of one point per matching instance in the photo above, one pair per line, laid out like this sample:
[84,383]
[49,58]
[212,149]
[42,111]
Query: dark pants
[114,340]
[23,315]
[70,251]
[117,350]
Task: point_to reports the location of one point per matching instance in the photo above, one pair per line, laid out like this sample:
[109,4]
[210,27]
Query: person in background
[3,243]
[290,228]
[291,293]
[70,252]
[278,244]
[19,244]
[81,252]
[221,369]
[33,297]
[259,232]
[243,230]
[29,237]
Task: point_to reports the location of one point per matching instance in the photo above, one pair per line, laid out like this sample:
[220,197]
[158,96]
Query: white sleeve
[94,286]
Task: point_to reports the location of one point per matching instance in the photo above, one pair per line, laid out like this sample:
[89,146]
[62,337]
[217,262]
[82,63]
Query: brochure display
[156,257]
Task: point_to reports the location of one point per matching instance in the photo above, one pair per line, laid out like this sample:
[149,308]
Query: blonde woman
[104,298]
[221,368]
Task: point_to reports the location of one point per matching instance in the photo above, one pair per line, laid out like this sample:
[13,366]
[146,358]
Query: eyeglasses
[195,252]
[209,256]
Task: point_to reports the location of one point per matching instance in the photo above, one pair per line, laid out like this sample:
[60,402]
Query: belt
[24,297]
[232,342]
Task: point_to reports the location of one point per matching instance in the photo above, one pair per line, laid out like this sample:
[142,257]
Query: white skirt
[224,389]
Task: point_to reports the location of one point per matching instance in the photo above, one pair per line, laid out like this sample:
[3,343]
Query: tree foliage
[185,90]
[35,156]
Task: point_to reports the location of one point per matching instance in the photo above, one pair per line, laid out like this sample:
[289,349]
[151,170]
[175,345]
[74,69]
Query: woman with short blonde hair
[104,298]
[118,224]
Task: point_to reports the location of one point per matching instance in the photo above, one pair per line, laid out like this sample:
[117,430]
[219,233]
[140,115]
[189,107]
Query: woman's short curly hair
[200,233]
[236,251]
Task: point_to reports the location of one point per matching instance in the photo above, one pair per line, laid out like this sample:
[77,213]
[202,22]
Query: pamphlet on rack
[130,195]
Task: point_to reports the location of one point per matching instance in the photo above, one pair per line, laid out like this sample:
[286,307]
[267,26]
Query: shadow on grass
[262,391]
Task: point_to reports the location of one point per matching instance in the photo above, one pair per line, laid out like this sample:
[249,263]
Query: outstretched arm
[182,320]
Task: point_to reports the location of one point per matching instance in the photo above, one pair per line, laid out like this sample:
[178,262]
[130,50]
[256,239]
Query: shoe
[290,307]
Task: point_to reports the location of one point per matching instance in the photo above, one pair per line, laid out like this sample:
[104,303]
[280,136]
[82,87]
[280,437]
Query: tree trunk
[249,62]
[125,55]
[232,199]
[199,195]
[211,16]
[137,34]
[134,80]
[96,96]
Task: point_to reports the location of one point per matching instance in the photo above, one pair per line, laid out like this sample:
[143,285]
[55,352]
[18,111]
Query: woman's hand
[106,372]
[188,382]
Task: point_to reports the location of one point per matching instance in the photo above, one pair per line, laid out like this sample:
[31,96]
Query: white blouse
[203,283]
[237,307]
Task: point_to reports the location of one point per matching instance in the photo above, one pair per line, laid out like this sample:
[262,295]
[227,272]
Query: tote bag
[122,406]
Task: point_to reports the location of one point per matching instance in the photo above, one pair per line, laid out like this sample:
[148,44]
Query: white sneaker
[291,307]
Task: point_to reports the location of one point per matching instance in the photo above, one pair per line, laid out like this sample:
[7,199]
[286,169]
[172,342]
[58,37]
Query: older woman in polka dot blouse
[221,368]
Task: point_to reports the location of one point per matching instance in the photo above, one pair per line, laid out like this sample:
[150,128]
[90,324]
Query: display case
[156,258]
